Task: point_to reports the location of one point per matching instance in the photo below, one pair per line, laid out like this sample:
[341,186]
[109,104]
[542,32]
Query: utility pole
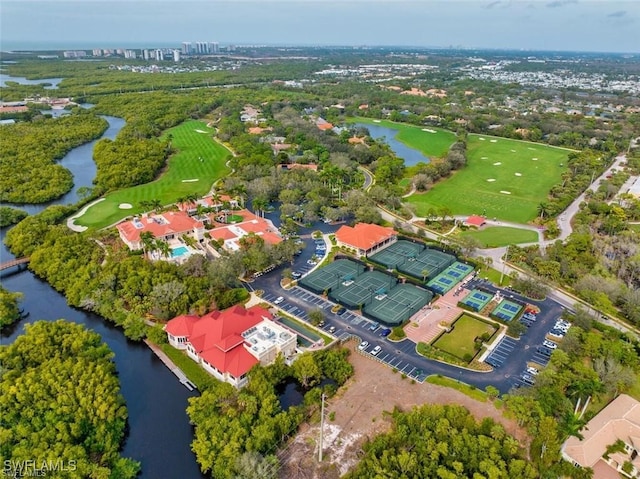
[321,429]
[504,264]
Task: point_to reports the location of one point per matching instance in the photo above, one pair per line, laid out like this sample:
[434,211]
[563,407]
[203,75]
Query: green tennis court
[428,264]
[400,304]
[397,253]
[332,275]
[362,290]
[506,310]
[450,277]
[477,299]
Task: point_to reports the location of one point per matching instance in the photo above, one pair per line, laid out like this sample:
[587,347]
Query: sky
[561,25]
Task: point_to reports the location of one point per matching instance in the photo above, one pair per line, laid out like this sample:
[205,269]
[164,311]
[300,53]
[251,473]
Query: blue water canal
[159,431]
[410,155]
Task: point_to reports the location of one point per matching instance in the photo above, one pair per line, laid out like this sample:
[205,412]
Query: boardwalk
[172,367]
[14,262]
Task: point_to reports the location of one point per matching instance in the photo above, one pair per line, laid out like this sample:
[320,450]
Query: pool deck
[424,326]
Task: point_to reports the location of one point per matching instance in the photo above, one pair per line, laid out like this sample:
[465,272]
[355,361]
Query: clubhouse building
[227,344]
[366,238]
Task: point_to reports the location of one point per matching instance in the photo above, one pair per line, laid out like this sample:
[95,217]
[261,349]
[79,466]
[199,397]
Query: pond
[53,82]
[411,156]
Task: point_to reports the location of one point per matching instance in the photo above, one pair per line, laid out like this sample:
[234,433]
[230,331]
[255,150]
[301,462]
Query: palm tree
[425,273]
[259,205]
[543,209]
[156,204]
[181,200]
[163,247]
[148,242]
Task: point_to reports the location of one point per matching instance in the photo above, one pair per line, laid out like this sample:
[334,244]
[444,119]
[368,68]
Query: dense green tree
[9,310]
[61,401]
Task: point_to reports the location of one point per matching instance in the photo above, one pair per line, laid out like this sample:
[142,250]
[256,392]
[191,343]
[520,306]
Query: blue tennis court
[451,276]
[506,310]
[476,299]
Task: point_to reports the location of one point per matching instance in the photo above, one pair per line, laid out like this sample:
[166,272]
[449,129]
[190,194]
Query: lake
[54,82]
[410,155]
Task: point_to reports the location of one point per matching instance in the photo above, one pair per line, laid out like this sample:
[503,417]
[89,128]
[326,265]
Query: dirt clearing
[356,414]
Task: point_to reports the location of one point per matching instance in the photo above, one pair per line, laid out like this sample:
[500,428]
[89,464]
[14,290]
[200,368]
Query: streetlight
[504,264]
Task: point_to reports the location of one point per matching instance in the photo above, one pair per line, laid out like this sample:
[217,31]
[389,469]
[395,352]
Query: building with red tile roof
[165,226]
[618,421]
[366,238]
[474,220]
[227,344]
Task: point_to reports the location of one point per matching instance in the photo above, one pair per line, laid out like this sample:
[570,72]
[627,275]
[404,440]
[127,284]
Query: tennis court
[445,281]
[397,253]
[429,263]
[506,310]
[400,304]
[332,275]
[477,299]
[364,289]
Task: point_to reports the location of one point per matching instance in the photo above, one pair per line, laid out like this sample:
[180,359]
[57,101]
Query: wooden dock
[171,365]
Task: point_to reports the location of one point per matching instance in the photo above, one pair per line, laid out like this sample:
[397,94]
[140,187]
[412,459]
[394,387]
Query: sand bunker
[518,174]
[513,151]
[376,121]
[191,181]
[497,163]
[429,130]
[125,206]
[493,141]
[505,192]
[201,131]
[534,159]
[491,180]
[481,139]
[484,158]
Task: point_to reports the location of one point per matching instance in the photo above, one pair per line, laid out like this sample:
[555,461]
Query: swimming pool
[179,251]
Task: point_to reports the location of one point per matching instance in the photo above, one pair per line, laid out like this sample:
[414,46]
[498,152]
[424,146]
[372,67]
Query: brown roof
[474,220]
[620,419]
[364,235]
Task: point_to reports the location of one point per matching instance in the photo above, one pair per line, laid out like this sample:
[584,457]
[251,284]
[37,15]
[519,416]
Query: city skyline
[556,25]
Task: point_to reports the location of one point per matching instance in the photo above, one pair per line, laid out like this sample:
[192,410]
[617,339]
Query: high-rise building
[187,48]
[97,52]
[145,54]
[159,55]
[176,55]
[214,47]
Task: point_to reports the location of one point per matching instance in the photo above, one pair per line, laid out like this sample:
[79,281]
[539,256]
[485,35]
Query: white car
[549,344]
[363,345]
[278,300]
[533,371]
[555,333]
[375,351]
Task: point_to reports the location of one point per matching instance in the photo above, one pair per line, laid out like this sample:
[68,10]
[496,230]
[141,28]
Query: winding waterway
[159,431]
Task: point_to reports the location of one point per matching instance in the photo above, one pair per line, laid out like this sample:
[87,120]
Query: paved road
[402,355]
[565,218]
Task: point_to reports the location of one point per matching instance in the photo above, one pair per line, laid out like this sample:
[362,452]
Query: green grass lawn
[504,179]
[431,144]
[494,236]
[191,145]
[460,341]
[464,388]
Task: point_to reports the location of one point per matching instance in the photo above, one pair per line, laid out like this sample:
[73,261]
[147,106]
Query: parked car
[556,333]
[530,380]
[375,351]
[549,344]
[321,323]
[384,332]
[278,300]
[341,310]
[296,275]
[332,329]
[533,371]
[363,345]
[374,326]
[545,351]
[311,262]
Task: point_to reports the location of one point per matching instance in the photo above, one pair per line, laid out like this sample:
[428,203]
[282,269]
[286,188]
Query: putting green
[432,142]
[504,179]
[199,162]
[495,236]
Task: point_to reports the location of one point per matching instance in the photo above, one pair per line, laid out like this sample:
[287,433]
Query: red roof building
[474,220]
[227,344]
[366,238]
[164,226]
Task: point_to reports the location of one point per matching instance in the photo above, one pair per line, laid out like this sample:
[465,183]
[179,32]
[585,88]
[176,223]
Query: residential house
[618,423]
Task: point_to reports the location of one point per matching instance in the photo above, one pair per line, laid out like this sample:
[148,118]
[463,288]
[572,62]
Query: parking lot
[501,352]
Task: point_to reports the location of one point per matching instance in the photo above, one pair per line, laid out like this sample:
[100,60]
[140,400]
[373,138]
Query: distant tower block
[176,55]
